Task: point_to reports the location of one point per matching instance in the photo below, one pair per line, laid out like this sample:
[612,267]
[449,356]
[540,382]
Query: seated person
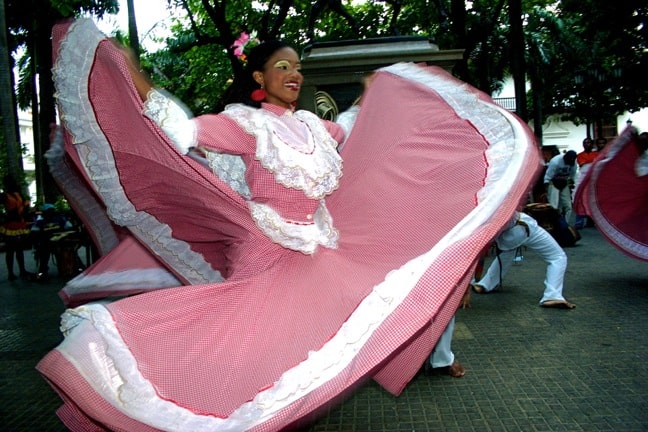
[46,225]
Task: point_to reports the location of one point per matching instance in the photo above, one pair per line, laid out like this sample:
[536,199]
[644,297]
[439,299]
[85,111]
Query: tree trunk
[538,116]
[458,24]
[133,36]
[45,111]
[516,39]
[8,105]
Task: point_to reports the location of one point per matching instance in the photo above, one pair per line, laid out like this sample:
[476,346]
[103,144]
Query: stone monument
[333,71]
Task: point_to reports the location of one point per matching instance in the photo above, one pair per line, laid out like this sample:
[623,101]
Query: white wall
[27,139]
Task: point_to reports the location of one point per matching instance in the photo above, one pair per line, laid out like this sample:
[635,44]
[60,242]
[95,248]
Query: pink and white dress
[263,337]
[614,193]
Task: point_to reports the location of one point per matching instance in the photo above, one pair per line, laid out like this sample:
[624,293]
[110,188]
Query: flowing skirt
[615,195]
[432,171]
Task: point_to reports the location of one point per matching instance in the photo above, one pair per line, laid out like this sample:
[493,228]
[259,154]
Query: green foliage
[71,8]
[595,54]
[589,37]
[197,76]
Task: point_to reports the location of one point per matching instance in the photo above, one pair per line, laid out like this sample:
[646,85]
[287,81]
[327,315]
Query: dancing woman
[267,332]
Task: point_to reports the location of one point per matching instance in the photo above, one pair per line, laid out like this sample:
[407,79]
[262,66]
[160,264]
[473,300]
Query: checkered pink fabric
[221,354]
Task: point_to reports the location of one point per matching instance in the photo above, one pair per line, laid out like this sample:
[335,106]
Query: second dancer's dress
[614,193]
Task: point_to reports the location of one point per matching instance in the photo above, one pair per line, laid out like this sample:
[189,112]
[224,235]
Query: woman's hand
[366,83]
[141,81]
[465,301]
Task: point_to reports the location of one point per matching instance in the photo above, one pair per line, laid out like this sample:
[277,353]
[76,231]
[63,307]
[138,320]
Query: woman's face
[281,77]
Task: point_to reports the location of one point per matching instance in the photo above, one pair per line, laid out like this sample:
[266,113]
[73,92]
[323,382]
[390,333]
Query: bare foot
[456,370]
[478,288]
[557,304]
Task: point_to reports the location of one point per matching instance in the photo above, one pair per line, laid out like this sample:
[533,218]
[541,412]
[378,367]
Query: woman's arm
[142,82]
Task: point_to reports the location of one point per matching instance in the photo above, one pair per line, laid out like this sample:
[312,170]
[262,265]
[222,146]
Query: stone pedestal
[333,71]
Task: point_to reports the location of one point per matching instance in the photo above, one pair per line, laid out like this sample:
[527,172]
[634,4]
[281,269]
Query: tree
[133,37]
[10,136]
[560,37]
[517,56]
[201,43]
[601,71]
[29,26]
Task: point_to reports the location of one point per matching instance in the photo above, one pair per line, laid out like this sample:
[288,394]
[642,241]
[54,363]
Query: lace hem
[316,173]
[71,73]
[84,203]
[302,238]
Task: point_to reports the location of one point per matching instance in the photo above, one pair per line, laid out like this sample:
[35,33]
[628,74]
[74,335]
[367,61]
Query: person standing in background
[584,160]
[559,181]
[600,143]
[14,228]
[44,228]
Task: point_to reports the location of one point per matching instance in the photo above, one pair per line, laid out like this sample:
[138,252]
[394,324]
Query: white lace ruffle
[317,172]
[302,238]
[79,196]
[71,72]
[172,117]
[346,120]
[231,169]
[175,120]
[121,281]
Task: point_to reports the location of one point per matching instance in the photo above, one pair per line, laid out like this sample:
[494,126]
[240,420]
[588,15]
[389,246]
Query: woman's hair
[243,85]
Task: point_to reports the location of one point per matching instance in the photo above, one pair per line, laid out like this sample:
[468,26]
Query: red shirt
[584,158]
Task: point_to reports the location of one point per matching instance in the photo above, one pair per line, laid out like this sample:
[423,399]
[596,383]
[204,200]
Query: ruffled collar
[294,145]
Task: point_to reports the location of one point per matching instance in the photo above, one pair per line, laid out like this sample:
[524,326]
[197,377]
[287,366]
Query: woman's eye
[282,65]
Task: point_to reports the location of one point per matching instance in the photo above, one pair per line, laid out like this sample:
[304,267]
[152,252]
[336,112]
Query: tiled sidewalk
[529,369]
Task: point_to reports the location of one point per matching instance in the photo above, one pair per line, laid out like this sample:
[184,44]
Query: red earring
[259,95]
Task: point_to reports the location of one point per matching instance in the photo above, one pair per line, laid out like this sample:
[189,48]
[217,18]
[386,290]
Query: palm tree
[7,105]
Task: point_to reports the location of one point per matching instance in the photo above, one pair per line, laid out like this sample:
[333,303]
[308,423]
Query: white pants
[561,200]
[540,241]
[442,354]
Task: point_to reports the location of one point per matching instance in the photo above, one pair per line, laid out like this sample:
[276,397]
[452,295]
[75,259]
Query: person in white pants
[523,230]
[559,180]
[442,357]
